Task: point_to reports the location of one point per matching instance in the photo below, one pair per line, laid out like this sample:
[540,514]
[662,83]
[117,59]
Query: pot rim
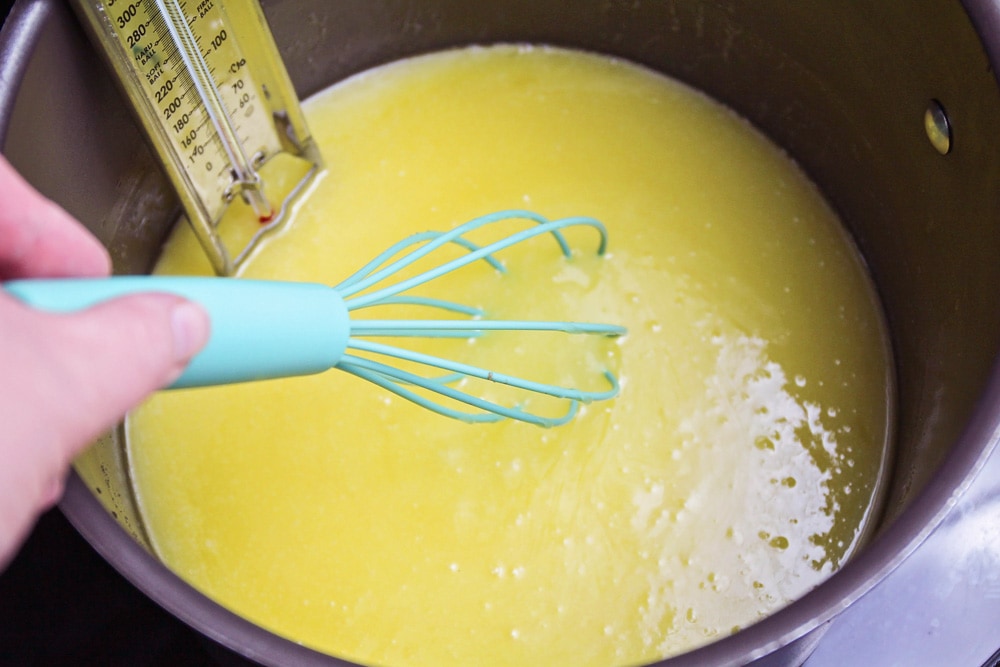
[18,36]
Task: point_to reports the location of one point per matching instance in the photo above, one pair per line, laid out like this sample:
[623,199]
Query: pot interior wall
[843,86]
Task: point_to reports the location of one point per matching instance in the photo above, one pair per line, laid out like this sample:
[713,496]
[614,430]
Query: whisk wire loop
[432,328]
[544,226]
[442,304]
[396,380]
[482,373]
[347,286]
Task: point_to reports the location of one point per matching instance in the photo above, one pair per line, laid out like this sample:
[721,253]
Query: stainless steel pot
[854,90]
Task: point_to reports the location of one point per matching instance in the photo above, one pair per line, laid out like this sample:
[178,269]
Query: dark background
[62,604]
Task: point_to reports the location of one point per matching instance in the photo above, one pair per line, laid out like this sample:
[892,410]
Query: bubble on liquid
[800,381]
[763,442]
[779,542]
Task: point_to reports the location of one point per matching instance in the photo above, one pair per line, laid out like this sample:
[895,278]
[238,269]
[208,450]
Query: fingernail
[190,328]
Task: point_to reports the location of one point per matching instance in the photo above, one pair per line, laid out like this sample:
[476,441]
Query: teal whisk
[266,329]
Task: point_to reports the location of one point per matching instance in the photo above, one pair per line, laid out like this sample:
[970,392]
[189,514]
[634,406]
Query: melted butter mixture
[736,470]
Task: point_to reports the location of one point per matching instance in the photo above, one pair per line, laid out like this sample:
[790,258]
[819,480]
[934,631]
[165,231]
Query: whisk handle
[260,328]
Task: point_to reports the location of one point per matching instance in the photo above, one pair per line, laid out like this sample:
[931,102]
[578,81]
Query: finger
[40,239]
[68,378]
[105,360]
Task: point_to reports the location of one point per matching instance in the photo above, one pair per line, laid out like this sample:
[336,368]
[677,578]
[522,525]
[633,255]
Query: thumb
[107,359]
[68,378]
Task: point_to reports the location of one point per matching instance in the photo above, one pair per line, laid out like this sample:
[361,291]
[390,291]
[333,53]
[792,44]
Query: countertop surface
[942,605]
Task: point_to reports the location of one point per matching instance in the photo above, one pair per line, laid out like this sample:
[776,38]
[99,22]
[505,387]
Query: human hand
[65,379]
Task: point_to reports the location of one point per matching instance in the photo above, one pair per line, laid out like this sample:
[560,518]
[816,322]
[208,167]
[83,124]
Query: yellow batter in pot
[736,470]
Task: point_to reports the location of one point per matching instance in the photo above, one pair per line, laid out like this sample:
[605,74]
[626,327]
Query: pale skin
[65,379]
